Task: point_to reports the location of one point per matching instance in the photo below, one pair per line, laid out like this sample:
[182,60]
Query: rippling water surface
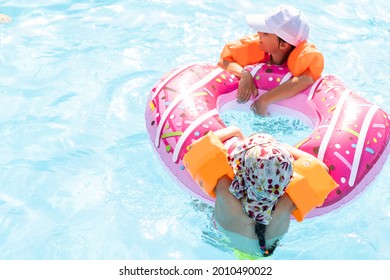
[78,176]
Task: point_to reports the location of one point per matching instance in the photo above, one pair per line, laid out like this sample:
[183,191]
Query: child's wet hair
[260,232]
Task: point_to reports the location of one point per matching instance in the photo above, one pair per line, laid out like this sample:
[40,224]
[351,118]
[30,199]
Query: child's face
[269,42]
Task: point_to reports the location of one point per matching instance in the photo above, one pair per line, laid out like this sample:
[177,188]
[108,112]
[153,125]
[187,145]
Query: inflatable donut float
[349,134]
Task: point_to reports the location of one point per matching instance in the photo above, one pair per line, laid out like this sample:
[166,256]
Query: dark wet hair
[260,232]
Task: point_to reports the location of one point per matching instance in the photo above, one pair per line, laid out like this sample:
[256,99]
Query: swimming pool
[79,179]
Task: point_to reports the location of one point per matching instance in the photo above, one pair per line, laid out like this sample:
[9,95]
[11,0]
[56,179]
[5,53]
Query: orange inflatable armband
[309,186]
[206,161]
[244,51]
[305,58]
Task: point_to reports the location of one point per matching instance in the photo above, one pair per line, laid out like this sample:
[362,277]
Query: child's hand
[260,107]
[246,87]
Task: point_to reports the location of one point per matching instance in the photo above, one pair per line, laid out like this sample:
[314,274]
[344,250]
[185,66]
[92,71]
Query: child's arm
[237,54]
[229,132]
[231,66]
[295,152]
[246,86]
[286,90]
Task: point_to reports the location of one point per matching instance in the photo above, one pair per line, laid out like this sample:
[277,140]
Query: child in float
[258,186]
[281,38]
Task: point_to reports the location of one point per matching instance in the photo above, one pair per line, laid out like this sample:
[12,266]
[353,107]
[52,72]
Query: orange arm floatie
[206,161]
[309,186]
[306,59]
[244,51]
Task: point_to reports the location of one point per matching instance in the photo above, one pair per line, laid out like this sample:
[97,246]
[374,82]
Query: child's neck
[277,59]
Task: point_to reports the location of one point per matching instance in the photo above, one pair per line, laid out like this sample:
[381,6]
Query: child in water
[279,32]
[253,202]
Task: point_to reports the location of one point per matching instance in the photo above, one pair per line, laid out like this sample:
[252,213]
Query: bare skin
[229,214]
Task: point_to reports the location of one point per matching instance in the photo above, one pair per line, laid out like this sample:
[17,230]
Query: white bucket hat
[285,21]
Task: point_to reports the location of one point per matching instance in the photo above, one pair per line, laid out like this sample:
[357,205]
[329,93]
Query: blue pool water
[78,176]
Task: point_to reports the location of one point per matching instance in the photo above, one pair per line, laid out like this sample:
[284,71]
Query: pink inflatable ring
[350,134]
